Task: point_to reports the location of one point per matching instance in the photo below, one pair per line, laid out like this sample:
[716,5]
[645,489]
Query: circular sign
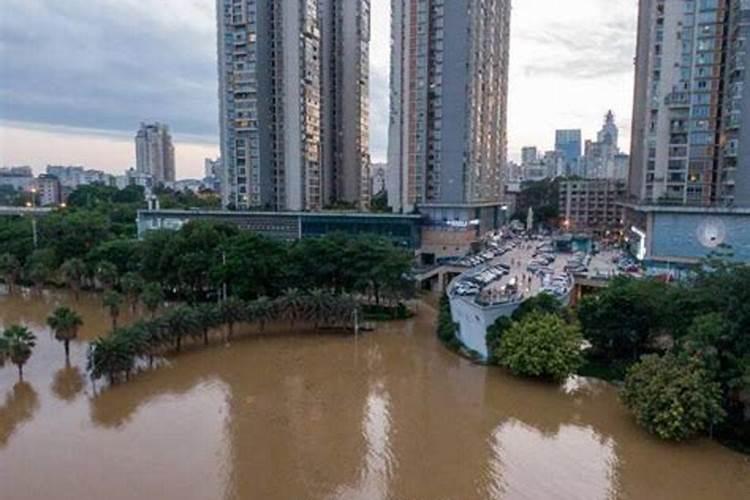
[712,232]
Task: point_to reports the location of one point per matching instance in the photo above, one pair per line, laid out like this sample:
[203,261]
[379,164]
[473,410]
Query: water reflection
[19,407]
[574,463]
[380,461]
[388,415]
[68,382]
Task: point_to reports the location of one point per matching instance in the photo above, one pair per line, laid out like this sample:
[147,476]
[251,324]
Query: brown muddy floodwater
[392,415]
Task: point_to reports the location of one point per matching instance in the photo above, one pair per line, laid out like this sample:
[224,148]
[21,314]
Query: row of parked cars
[473,285]
[578,264]
[540,263]
[557,285]
[492,252]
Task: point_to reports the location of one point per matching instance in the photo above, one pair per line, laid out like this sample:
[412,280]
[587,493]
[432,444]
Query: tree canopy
[541,345]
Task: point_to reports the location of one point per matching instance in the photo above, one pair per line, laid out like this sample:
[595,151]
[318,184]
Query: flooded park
[389,414]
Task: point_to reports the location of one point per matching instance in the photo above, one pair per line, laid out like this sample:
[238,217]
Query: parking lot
[512,270]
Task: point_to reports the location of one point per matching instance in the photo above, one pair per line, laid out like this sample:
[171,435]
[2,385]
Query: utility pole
[224,283]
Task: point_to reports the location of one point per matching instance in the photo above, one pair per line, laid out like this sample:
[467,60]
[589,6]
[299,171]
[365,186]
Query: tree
[10,268]
[109,356]
[673,397]
[112,301]
[126,254]
[542,303]
[252,266]
[40,266]
[494,334]
[74,272]
[180,323]
[106,274]
[542,345]
[293,303]
[232,311]
[132,286]
[152,297]
[65,323]
[74,234]
[207,317]
[622,320]
[261,311]
[18,343]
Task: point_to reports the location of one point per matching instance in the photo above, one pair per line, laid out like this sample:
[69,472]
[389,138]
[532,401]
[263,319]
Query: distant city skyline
[568,66]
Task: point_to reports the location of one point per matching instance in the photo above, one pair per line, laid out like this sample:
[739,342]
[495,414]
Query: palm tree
[207,317]
[10,268]
[112,301]
[293,304]
[18,345]
[152,297]
[39,273]
[74,272]
[65,323]
[181,322]
[132,286]
[232,311]
[106,274]
[261,311]
[320,308]
[109,356]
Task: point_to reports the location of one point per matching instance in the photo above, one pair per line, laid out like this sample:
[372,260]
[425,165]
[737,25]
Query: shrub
[542,345]
[673,397]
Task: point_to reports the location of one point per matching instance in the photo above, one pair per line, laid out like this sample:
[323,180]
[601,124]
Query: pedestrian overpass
[19,211]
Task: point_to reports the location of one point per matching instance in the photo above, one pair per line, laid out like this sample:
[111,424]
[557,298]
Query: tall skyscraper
[154,152]
[449,92]
[346,111]
[569,144]
[691,131]
[600,156]
[609,134]
[293,85]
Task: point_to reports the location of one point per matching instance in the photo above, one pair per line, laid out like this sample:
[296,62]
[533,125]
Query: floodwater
[391,415]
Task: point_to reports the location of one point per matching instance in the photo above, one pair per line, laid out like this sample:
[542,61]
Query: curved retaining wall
[474,320]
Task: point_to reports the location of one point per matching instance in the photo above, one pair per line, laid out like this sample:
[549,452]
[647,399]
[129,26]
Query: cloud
[109,64]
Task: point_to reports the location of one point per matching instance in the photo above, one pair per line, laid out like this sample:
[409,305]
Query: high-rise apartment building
[691,125]
[154,152]
[449,92]
[529,154]
[689,180]
[569,144]
[293,98]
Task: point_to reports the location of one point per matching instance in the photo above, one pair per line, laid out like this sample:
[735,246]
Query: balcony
[677,100]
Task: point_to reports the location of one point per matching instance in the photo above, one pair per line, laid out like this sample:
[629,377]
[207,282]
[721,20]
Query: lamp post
[32,205]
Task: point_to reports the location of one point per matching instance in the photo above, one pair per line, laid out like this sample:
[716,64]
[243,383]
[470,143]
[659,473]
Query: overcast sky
[78,76]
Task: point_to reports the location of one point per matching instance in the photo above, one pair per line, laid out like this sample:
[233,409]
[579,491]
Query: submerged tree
[673,397]
[152,297]
[112,301]
[74,273]
[106,274]
[65,323]
[541,345]
[10,268]
[18,344]
[132,286]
